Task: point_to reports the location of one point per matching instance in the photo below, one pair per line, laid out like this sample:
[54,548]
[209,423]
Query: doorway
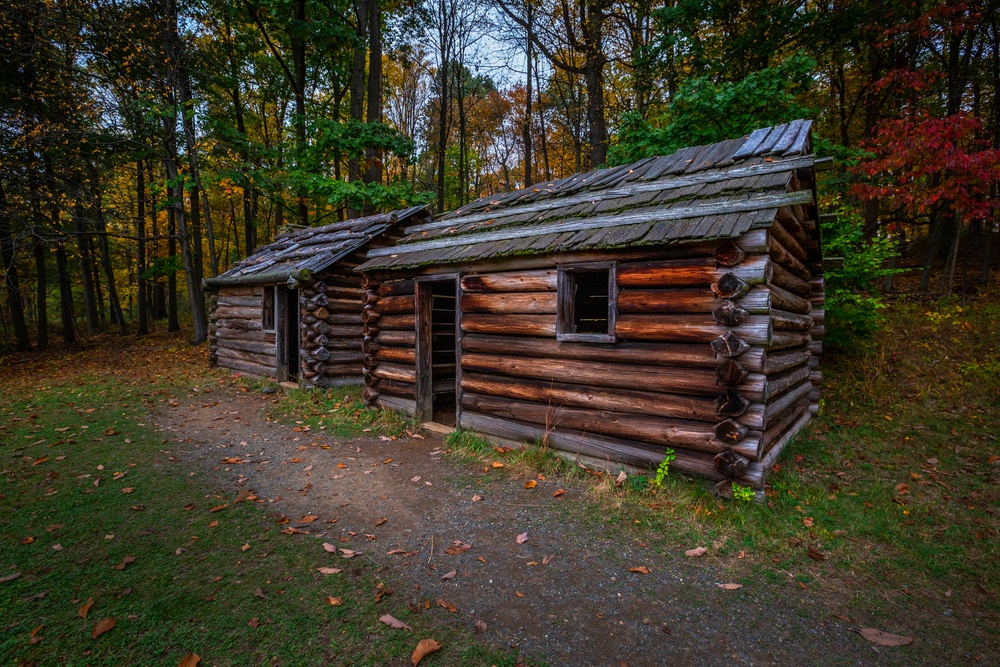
[287,339]
[437,321]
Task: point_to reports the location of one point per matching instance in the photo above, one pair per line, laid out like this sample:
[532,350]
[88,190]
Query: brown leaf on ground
[519,594]
[447,605]
[697,552]
[245,547]
[329,570]
[476,499]
[349,553]
[815,554]
[219,508]
[558,493]
[547,559]
[259,593]
[85,608]
[329,548]
[101,627]
[28,540]
[401,552]
[642,569]
[308,518]
[729,587]
[334,601]
[254,622]
[808,522]
[381,521]
[189,507]
[232,460]
[424,648]
[53,526]
[34,637]
[394,623]
[128,560]
[884,638]
[9,577]
[522,538]
[496,464]
[190,660]
[480,627]
[450,575]
[342,466]
[530,484]
[457,547]
[213,524]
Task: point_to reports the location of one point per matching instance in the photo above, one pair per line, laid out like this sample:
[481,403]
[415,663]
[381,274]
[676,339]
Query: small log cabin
[672,303]
[293,309]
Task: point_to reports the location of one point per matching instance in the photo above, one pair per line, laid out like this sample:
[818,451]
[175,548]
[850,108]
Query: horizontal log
[818,315]
[815,394]
[692,272]
[758,471]
[344,281]
[780,234]
[781,422]
[785,300]
[816,377]
[241,291]
[778,384]
[786,321]
[396,305]
[698,436]
[256,346]
[396,288]
[518,325]
[510,302]
[523,281]
[756,330]
[347,293]
[397,338]
[786,259]
[818,332]
[792,222]
[785,279]
[818,284]
[656,354]
[244,334]
[339,369]
[251,301]
[245,367]
[396,322]
[396,372]
[236,323]
[817,299]
[629,401]
[394,403]
[688,301]
[816,347]
[776,406]
[401,355]
[345,357]
[400,389]
[257,358]
[813,361]
[345,318]
[370,314]
[344,305]
[692,381]
[783,340]
[782,360]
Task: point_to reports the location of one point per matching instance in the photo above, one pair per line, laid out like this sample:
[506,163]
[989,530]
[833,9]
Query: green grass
[194,586]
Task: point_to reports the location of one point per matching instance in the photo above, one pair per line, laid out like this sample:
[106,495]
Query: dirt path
[582,607]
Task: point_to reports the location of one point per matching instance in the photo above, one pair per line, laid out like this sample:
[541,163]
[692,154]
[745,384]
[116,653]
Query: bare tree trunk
[374,115]
[114,304]
[86,268]
[41,296]
[140,250]
[299,59]
[357,87]
[65,294]
[526,126]
[173,324]
[8,259]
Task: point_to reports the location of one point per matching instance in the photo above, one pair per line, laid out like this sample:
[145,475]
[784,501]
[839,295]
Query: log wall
[236,338]
[716,356]
[331,326]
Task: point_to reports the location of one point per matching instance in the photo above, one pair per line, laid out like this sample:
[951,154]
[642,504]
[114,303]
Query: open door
[437,332]
[286,318]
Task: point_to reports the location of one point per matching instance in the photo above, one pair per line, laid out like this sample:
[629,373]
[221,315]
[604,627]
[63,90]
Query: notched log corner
[731,373]
[731,404]
[730,286]
[729,254]
[730,345]
[730,432]
[730,464]
[730,314]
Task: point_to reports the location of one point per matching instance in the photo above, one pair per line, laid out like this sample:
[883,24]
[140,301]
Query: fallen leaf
[815,554]
[57,547]
[329,570]
[547,559]
[309,518]
[424,648]
[522,538]
[85,608]
[28,540]
[447,605]
[9,577]
[642,569]
[101,627]
[40,461]
[53,526]
[497,464]
[808,522]
[348,553]
[558,493]
[336,602]
[191,659]
[213,524]
[450,575]
[245,547]
[884,638]
[457,547]
[530,484]
[189,507]
[259,593]
[621,479]
[254,622]
[401,552]
[329,548]
[381,521]
[519,594]
[219,508]
[697,552]
[480,626]
[128,560]
[476,499]
[729,587]
[394,623]
[342,466]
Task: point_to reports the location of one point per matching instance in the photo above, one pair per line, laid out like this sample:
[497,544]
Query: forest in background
[147,145]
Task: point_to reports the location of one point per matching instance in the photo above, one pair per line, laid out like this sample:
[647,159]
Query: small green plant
[664,468]
[744,493]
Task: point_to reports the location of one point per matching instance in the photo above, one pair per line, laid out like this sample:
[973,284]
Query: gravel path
[565,595]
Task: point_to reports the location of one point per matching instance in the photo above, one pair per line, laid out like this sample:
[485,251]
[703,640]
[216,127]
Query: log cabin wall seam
[711,341]
[293,309]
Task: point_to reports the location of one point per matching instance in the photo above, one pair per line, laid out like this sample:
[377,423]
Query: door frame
[286,298]
[423,302]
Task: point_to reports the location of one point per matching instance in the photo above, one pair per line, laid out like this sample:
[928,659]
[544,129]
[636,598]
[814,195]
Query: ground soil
[584,607]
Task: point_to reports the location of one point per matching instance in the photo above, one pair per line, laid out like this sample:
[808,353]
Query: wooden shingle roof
[301,253]
[708,192]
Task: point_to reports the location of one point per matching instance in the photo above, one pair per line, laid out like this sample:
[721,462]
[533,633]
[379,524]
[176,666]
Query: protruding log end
[370,363]
[371,298]
[370,330]
[321,340]
[321,313]
[319,286]
[319,300]
[370,395]
[369,314]
[731,404]
[731,464]
[320,353]
[724,489]
[730,432]
[730,286]
[730,345]
[730,313]
[729,254]
[369,346]
[731,373]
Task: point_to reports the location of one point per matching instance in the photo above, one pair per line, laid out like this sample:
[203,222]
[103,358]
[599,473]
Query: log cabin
[293,309]
[672,303]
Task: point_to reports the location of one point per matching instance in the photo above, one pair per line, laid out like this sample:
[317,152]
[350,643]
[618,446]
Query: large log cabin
[672,303]
[292,310]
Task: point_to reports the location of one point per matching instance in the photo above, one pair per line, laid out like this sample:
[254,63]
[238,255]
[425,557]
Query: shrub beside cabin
[672,303]
[293,309]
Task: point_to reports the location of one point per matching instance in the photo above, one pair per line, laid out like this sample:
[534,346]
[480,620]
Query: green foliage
[468,440]
[163,267]
[664,468]
[743,493]
[853,301]
[704,112]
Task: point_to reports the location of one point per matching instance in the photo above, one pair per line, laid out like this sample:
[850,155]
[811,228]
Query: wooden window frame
[272,289]
[564,297]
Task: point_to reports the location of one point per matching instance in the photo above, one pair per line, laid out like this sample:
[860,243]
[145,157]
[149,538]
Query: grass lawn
[96,507]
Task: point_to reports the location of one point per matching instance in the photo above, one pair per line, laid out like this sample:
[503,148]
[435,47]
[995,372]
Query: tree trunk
[8,262]
[140,251]
[65,295]
[41,296]
[299,59]
[373,155]
[526,126]
[86,268]
[594,72]
[357,88]
[173,324]
[117,316]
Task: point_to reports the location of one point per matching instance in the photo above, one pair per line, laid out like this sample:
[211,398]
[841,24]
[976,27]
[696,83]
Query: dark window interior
[443,351]
[267,308]
[590,296]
